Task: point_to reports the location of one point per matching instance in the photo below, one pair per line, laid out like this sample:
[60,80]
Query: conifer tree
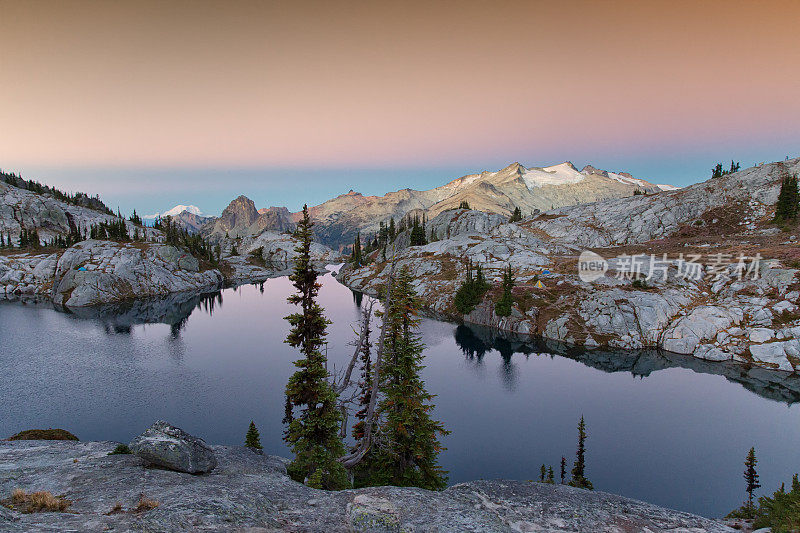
[506,301]
[788,200]
[550,477]
[365,387]
[409,447]
[392,229]
[463,205]
[253,439]
[417,237]
[751,476]
[542,473]
[579,468]
[563,469]
[516,216]
[313,435]
[357,250]
[471,292]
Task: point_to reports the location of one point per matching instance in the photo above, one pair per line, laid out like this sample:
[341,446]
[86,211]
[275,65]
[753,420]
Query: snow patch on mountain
[563,174]
[177,210]
[623,178]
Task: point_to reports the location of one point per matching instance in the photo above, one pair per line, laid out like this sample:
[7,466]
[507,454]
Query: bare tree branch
[362,337]
[352,459]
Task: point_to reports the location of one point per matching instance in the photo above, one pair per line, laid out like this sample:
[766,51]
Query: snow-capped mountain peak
[177,210]
[562,174]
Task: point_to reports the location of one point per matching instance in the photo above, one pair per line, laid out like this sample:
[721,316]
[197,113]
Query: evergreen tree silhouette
[313,435]
[253,439]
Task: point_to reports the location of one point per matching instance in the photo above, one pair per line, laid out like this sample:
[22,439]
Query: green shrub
[781,511]
[121,449]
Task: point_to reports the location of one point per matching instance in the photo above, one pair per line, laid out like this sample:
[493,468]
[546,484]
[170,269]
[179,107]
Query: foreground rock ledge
[250,492]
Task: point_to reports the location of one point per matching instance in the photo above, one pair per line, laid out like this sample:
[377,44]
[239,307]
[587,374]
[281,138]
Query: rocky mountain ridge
[515,186]
[242,219]
[718,316]
[530,189]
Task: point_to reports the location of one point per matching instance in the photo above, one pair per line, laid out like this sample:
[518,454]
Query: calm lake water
[665,429]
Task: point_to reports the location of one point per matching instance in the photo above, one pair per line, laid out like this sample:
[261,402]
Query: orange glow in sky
[389,83]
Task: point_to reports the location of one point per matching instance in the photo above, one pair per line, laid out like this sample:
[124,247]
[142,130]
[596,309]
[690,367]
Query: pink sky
[391,84]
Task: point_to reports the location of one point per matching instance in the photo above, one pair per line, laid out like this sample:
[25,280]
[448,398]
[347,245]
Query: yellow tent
[539,285]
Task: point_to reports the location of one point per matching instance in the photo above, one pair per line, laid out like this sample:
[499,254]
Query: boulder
[774,354]
[279,249]
[96,272]
[761,334]
[165,445]
[702,323]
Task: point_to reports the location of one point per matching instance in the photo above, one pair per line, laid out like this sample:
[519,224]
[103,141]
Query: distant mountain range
[338,220]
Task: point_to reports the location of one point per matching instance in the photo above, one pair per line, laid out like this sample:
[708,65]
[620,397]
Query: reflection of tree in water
[176,328]
[472,346]
[475,342]
[209,301]
[358,297]
[117,329]
[172,310]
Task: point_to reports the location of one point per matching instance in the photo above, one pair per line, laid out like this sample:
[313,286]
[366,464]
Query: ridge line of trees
[79,199]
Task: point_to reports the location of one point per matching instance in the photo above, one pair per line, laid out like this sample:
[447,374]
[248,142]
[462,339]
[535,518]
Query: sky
[152,104]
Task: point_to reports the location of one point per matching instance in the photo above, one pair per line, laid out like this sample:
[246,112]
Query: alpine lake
[668,429]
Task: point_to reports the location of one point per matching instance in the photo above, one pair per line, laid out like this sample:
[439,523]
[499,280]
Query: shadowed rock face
[96,272]
[165,445]
[192,222]
[248,490]
[242,219]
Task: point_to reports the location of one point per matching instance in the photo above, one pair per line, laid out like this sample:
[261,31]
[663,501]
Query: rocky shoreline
[745,323]
[94,272]
[251,492]
[740,303]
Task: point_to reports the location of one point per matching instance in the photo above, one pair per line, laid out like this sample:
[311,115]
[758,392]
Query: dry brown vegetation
[36,502]
[145,504]
[44,434]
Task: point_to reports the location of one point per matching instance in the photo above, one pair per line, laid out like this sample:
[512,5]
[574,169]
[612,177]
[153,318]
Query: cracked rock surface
[251,492]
